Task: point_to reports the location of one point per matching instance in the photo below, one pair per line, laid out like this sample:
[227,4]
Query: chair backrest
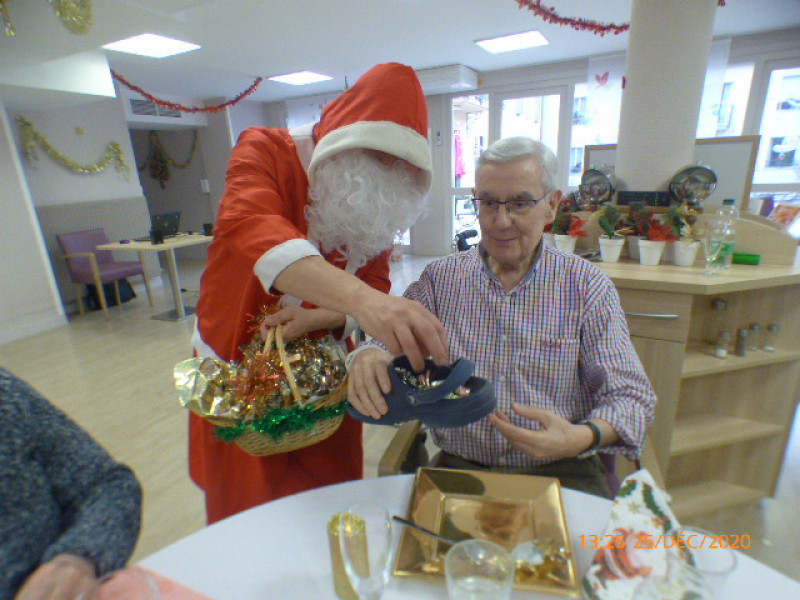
[84,241]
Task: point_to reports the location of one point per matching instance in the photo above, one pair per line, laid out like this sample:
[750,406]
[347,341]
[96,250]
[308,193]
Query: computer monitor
[166,223]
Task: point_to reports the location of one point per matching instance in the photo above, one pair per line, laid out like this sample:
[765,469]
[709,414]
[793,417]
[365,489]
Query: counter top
[692,280]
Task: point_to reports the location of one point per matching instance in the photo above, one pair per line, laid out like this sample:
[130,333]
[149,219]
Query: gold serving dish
[510,510]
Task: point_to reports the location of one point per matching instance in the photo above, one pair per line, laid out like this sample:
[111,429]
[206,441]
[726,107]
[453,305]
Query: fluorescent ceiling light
[300,78]
[516,41]
[150,44]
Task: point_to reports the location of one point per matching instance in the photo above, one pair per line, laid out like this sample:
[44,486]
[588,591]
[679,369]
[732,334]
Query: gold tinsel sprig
[75,15]
[31,137]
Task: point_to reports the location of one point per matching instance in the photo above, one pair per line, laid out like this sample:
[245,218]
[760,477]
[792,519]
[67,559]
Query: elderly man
[546,327]
[307,219]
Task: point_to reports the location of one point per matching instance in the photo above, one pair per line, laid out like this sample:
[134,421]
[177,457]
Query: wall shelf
[710,496]
[703,432]
[700,360]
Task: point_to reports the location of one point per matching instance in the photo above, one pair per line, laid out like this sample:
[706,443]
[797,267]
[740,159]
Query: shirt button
[503,338]
[501,378]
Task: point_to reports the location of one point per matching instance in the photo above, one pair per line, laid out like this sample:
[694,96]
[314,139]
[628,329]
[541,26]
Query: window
[470,137]
[778,153]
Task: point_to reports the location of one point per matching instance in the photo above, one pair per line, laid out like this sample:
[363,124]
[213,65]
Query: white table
[181,240]
[279,550]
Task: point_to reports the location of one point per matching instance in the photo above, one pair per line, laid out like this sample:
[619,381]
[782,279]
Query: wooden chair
[398,457]
[88,265]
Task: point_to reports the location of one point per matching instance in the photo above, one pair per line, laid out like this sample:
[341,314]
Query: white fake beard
[358,205]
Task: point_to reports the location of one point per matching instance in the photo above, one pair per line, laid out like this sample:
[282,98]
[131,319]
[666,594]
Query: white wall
[82,133]
[29,300]
[181,192]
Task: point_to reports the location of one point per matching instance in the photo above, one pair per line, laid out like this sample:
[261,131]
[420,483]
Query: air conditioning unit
[447,80]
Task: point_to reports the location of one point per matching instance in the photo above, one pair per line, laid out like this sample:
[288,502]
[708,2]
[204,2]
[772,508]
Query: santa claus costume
[260,229]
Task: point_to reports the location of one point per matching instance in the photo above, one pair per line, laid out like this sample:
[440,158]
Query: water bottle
[724,224]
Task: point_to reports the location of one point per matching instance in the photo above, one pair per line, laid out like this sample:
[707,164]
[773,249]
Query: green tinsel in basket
[279,421]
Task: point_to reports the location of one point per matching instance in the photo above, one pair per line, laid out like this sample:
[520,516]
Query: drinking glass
[478,570]
[713,245]
[712,561]
[365,537]
[131,583]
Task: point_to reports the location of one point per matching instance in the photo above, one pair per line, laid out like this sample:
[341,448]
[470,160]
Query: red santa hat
[385,110]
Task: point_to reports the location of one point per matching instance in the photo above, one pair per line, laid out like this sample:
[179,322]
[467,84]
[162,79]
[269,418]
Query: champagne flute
[365,537]
[712,248]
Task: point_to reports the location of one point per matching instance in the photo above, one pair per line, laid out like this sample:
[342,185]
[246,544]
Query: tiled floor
[114,377]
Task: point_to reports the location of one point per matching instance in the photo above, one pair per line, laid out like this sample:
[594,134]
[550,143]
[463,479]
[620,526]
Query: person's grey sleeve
[100,499]
[621,392]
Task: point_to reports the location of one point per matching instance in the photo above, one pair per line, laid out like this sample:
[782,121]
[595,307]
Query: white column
[668,51]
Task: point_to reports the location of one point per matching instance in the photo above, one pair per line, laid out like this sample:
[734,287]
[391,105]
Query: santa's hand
[298,321]
[368,381]
[556,438]
[404,327]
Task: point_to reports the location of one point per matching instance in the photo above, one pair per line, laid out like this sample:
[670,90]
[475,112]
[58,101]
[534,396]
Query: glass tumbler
[478,570]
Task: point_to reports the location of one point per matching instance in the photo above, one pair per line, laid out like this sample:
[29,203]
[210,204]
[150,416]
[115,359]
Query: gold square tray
[504,508]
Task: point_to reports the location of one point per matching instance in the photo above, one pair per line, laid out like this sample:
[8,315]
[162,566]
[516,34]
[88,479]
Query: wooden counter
[721,425]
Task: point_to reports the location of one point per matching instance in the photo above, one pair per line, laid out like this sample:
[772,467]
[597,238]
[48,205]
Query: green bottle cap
[746,259]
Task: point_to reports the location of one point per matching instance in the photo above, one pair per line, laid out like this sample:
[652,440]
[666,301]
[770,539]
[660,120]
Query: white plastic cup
[611,248]
[685,253]
[565,243]
[650,252]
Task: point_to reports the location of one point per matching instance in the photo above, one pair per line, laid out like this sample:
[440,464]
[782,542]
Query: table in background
[182,240]
[280,549]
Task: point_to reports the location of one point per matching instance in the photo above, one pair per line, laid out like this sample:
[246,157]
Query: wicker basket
[259,444]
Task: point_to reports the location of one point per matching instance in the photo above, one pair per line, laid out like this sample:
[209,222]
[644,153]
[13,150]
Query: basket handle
[275,335]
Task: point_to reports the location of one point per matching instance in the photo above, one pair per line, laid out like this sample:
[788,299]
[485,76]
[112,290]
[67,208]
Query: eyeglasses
[517,208]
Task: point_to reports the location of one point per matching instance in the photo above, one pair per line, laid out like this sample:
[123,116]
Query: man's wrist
[596,439]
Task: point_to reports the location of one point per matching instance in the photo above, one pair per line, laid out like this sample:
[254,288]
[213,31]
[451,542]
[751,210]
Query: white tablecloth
[279,551]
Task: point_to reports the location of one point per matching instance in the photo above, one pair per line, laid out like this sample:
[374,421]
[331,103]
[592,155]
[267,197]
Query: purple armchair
[87,265]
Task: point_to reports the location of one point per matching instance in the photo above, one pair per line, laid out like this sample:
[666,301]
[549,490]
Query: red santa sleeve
[261,219]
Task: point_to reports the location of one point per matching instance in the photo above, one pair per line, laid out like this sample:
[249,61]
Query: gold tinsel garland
[159,160]
[31,137]
[75,15]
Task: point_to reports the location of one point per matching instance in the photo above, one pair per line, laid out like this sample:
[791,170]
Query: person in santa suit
[307,219]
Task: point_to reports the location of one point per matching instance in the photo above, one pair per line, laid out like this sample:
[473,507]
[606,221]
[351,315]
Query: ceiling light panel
[300,78]
[516,41]
[150,44]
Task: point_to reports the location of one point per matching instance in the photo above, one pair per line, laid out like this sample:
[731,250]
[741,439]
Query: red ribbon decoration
[183,108]
[549,15]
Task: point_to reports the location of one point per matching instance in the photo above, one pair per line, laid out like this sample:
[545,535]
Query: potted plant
[682,220]
[635,228]
[567,228]
[651,248]
[611,242]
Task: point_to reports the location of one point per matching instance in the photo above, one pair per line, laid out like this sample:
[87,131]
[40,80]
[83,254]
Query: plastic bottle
[724,224]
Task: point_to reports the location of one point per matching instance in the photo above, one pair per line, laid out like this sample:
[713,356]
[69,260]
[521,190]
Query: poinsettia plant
[660,232]
[569,224]
[638,221]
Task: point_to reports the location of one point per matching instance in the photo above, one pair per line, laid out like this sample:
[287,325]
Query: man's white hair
[512,148]
[358,205]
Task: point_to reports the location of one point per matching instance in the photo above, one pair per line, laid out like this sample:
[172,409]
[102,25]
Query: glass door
[470,120]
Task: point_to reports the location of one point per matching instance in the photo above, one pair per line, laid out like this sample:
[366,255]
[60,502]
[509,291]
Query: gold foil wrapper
[201,385]
[229,393]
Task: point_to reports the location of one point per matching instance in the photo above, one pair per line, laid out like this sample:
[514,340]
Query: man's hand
[557,437]
[298,321]
[65,577]
[368,381]
[403,326]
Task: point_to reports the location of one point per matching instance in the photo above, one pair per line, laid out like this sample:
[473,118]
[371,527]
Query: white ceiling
[243,39]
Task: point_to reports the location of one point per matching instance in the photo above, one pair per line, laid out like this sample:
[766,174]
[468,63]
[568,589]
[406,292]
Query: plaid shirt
[558,341]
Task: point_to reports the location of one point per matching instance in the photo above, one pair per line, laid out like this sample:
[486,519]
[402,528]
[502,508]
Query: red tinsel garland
[181,107]
[549,15]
